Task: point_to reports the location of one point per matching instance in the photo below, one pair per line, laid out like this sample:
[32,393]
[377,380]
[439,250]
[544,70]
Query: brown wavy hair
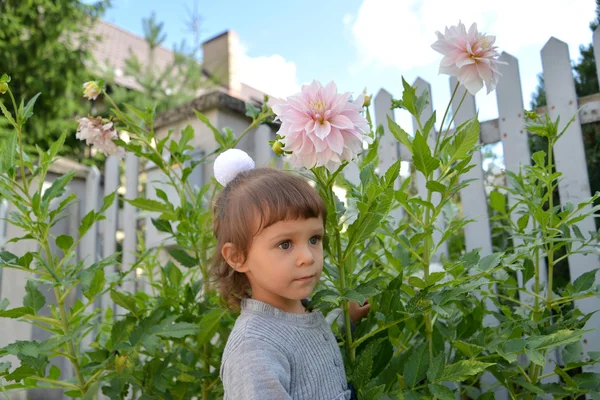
[251,202]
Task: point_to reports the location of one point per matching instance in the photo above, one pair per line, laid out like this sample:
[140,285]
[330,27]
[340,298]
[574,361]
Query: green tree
[45,45]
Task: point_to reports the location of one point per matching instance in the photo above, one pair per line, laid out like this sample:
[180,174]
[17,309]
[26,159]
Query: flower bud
[278,148]
[531,115]
[3,87]
[367,101]
[91,90]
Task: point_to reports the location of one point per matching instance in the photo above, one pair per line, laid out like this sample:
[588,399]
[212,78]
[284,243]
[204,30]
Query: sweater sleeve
[256,370]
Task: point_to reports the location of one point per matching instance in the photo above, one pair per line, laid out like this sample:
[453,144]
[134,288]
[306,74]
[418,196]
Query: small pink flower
[470,56]
[321,127]
[100,135]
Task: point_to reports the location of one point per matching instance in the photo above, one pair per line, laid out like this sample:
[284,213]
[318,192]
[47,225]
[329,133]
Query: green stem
[327,185]
[64,320]
[537,315]
[427,245]
[20,137]
[55,382]
[551,225]
[93,378]
[455,112]
[516,302]
[437,139]
[70,347]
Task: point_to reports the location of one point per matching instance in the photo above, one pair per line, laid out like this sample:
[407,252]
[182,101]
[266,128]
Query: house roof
[117,44]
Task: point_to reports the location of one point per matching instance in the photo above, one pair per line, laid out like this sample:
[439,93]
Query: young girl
[269,227]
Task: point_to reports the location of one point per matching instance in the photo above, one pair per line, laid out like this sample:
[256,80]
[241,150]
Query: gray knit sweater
[275,355]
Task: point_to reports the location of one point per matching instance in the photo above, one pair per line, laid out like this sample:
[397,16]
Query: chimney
[221,60]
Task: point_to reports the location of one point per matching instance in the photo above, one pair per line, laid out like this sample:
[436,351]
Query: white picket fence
[509,129]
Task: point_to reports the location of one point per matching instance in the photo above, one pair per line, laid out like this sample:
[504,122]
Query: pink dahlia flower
[320,127]
[470,56]
[100,135]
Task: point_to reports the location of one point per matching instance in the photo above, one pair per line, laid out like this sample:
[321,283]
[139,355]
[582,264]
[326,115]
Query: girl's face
[284,262]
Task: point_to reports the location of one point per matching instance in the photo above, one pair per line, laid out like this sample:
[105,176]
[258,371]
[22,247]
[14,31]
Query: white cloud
[348,18]
[392,33]
[273,74]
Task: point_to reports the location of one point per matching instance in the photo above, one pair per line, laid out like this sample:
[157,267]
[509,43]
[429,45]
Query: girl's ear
[234,257]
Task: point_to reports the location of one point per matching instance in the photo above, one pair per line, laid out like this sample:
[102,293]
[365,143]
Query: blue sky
[370,43]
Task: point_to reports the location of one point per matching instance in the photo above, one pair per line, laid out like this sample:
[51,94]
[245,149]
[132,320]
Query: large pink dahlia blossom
[470,56]
[320,127]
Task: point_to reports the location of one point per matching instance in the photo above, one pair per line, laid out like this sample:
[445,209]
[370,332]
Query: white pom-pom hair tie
[230,163]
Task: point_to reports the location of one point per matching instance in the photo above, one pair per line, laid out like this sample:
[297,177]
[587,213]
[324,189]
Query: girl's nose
[305,256]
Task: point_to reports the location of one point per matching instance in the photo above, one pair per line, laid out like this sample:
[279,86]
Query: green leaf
[490,262]
[86,222]
[252,111]
[392,173]
[363,369]
[417,282]
[588,381]
[124,300]
[217,135]
[559,338]
[64,242]
[568,380]
[573,352]
[8,152]
[28,110]
[437,368]
[120,331]
[183,257]
[16,312]
[173,273]
[532,388]
[536,357]
[92,282]
[417,365]
[162,225]
[178,330]
[462,370]
[209,325]
[422,157]
[8,115]
[528,270]
[465,138]
[523,221]
[58,187]
[468,349]
[24,371]
[108,201]
[539,158]
[353,295]
[34,298]
[4,367]
[585,281]
[149,205]
[435,186]
[400,134]
[441,392]
[54,372]
[498,202]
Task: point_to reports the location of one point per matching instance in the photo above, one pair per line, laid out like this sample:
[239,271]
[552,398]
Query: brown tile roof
[116,46]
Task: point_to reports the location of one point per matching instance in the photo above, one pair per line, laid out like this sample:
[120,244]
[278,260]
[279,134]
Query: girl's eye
[315,240]
[285,245]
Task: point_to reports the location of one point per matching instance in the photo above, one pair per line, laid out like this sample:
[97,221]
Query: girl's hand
[357,312]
